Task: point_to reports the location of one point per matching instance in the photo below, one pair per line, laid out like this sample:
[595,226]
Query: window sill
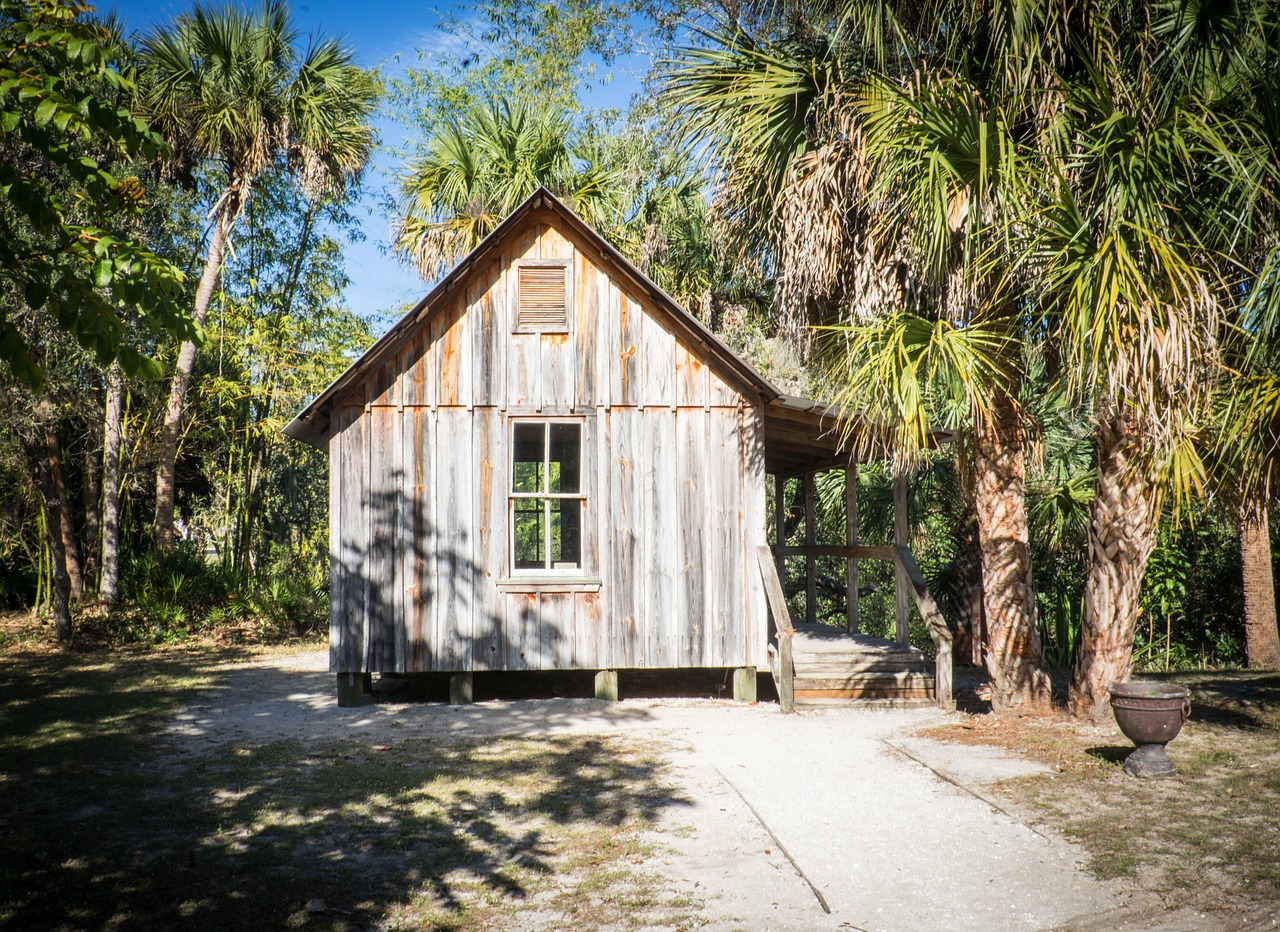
[550,582]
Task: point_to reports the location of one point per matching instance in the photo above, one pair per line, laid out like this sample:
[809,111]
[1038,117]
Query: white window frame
[548,569]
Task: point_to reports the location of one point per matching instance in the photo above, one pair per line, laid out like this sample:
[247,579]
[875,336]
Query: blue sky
[385,34]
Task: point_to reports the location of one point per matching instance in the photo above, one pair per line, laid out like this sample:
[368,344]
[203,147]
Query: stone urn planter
[1150,715]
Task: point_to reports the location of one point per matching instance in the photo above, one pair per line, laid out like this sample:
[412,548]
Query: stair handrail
[937,625]
[785,630]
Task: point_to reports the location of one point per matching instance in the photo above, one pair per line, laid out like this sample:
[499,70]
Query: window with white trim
[547,496]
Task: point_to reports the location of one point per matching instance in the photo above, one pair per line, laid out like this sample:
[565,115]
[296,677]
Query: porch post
[810,540]
[780,521]
[851,540]
[901,538]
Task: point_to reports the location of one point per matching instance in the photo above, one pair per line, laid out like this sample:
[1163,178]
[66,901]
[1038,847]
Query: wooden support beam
[839,550]
[851,540]
[461,689]
[607,685]
[810,565]
[744,684]
[780,522]
[901,538]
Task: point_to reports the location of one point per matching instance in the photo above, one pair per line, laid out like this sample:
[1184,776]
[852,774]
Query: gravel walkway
[839,819]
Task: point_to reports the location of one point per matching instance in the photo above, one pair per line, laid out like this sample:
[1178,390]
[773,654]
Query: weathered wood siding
[673,473]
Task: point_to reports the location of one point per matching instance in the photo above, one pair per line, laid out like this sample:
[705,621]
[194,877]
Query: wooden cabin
[548,464]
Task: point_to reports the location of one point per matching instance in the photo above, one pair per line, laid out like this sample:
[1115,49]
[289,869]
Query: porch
[816,664]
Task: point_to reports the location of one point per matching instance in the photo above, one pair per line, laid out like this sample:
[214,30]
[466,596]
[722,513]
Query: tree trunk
[70,549]
[1261,638]
[112,435]
[1123,524]
[1014,656]
[971,628]
[92,515]
[38,455]
[172,429]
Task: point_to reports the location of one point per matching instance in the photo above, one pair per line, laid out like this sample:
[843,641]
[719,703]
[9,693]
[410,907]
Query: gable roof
[800,434]
[312,423]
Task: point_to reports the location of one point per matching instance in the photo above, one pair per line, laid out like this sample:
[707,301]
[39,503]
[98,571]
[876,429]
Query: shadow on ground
[103,828]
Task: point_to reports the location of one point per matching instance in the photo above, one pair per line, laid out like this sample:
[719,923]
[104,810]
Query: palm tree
[867,162]
[480,165]
[230,88]
[1121,240]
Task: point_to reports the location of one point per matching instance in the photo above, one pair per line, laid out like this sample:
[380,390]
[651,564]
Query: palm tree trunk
[172,430]
[971,634]
[1122,534]
[112,433]
[1261,638]
[1014,657]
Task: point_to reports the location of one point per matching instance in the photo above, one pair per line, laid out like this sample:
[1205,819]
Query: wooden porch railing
[786,632]
[904,562]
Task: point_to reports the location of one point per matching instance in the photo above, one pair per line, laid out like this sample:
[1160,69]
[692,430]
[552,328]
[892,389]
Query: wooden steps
[835,668]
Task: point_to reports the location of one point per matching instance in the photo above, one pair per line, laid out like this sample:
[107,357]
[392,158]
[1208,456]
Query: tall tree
[231,87]
[63,252]
[820,136]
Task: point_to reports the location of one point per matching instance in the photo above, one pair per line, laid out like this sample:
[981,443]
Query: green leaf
[9,120]
[45,111]
[102,273]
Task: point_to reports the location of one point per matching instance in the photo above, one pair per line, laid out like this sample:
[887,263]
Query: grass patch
[1205,839]
[107,827]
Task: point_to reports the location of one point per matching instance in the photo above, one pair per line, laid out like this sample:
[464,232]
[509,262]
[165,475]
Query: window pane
[566,533]
[529,536]
[566,458]
[527,459]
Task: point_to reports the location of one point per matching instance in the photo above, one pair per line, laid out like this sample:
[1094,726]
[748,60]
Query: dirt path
[830,820]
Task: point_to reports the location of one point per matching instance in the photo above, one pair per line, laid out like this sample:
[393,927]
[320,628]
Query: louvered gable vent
[543,301]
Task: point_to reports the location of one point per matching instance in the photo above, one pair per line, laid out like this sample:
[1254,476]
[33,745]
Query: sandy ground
[839,819]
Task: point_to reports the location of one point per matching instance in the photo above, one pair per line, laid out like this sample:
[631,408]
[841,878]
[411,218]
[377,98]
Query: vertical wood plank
[658,365]
[455,557]
[587,320]
[382,500]
[484,297]
[692,522]
[780,521]
[556,370]
[521,626]
[587,640]
[724,621]
[608,635]
[490,524]
[755,534]
[449,327]
[555,631]
[625,385]
[851,539]
[626,570]
[691,378]
[421,549]
[660,532]
[901,538]
[524,387]
[552,244]
[810,539]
